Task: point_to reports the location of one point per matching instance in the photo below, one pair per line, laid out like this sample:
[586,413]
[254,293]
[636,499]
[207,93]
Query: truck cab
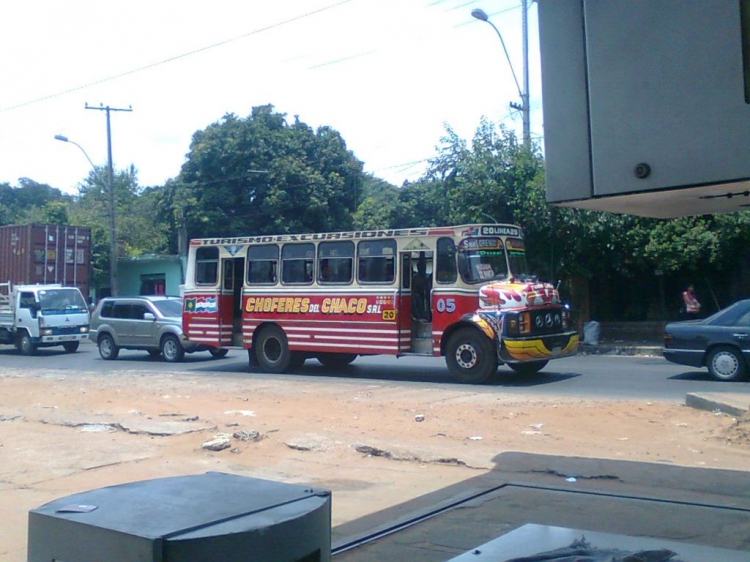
[34,316]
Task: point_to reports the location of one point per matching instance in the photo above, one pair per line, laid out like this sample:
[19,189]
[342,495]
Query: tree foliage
[262,175]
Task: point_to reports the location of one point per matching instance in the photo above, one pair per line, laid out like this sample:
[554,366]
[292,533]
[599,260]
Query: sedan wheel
[726,364]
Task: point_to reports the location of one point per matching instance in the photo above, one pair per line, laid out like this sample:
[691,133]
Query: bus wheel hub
[466,356]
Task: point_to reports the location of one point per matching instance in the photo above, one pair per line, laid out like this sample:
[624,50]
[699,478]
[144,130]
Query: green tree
[24,203]
[377,203]
[262,175]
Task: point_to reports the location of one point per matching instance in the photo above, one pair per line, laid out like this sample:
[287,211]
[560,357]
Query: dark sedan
[720,342]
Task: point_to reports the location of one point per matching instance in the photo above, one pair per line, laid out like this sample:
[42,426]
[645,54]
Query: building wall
[132,273]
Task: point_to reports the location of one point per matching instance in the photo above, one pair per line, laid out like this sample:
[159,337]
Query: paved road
[594,376]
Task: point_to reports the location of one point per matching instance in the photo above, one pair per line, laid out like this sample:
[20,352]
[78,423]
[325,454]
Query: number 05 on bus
[462,292]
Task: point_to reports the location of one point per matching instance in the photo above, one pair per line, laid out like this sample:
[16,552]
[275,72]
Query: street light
[112,231]
[523,93]
[66,139]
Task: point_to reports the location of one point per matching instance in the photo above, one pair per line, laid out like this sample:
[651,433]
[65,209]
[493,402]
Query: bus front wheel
[470,356]
[272,350]
[527,369]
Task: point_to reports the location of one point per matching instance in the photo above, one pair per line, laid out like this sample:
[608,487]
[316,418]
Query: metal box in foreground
[203,518]
[646,105]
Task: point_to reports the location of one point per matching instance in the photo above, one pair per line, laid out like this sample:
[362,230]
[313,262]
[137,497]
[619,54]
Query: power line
[174,58]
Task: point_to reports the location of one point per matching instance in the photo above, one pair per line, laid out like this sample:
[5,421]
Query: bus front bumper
[538,348]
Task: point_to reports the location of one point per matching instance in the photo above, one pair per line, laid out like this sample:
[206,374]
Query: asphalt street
[595,376]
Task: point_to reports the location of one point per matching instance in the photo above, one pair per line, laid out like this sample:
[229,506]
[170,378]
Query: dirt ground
[374,444]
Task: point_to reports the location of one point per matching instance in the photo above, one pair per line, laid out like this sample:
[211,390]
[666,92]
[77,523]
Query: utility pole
[524,107]
[111,194]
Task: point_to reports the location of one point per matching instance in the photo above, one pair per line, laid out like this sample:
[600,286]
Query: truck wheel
[273,350]
[530,368]
[172,349]
[218,353]
[71,346]
[108,349]
[470,356]
[26,345]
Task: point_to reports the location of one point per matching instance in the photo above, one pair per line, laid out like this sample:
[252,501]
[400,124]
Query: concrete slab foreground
[702,507]
[535,540]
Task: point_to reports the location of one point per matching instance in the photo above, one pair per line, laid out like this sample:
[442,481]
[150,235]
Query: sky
[389,75]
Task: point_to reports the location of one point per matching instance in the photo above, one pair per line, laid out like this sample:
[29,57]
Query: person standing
[691,305]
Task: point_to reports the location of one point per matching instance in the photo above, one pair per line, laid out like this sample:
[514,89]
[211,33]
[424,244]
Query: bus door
[416,300]
[230,303]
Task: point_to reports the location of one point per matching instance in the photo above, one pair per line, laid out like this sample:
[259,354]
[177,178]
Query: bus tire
[335,360]
[470,356]
[296,362]
[530,368]
[272,350]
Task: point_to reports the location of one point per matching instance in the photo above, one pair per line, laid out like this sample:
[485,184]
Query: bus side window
[262,264]
[335,262]
[446,261]
[297,263]
[206,265]
[376,261]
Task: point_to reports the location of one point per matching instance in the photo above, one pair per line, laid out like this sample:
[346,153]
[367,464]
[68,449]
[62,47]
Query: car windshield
[61,301]
[170,308]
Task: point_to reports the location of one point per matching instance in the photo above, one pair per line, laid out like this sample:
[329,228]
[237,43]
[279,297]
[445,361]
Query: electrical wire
[174,58]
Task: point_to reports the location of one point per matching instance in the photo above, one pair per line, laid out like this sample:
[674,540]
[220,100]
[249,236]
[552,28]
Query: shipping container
[44,254]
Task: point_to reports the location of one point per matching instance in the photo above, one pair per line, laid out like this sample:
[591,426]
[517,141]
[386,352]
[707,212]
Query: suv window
[137,311]
[121,310]
[170,308]
[108,310]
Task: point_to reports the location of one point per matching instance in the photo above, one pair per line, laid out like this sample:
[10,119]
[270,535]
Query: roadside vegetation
[266,173]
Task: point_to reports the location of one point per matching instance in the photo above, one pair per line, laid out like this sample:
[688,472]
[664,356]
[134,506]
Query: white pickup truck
[33,316]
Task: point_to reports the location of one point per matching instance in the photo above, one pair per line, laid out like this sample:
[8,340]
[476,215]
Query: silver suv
[153,324]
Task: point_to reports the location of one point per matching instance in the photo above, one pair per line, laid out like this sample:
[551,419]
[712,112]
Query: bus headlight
[519,324]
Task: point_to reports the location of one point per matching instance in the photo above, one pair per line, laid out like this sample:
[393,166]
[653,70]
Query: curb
[724,402]
[621,348]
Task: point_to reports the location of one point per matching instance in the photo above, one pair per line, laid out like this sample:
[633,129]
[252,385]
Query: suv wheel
[172,349]
[108,348]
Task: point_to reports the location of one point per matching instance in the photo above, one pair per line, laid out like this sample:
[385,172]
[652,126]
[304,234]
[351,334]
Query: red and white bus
[462,292]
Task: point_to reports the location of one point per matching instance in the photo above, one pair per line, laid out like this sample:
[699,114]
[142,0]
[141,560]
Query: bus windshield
[517,258]
[482,259]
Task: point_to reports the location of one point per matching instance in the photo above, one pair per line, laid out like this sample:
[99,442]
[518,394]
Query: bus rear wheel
[470,356]
[272,350]
[335,360]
